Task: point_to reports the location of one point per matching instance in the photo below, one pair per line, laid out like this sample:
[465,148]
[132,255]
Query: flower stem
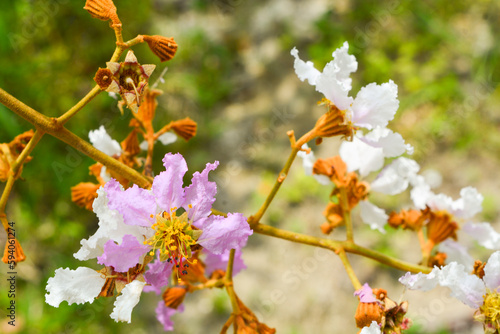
[229,283]
[346,211]
[16,167]
[282,176]
[334,245]
[77,107]
[348,268]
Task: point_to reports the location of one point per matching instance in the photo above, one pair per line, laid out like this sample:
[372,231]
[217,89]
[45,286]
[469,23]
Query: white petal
[484,233]
[130,58]
[75,286]
[125,303]
[361,156]
[467,288]
[334,89]
[469,203]
[492,271]
[104,174]
[103,142]
[423,282]
[373,329]
[375,105]
[373,216]
[167,138]
[456,252]
[346,63]
[395,177]
[391,142]
[111,227]
[304,70]
[421,193]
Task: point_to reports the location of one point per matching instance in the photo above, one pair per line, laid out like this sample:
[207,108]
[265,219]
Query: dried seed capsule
[165,48]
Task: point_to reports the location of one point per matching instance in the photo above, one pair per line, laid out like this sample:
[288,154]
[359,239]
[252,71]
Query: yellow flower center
[173,237]
[490,309]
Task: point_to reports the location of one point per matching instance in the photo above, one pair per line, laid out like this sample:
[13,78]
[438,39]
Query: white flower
[373,329]
[361,157]
[373,216]
[375,105]
[456,252]
[467,288]
[396,176]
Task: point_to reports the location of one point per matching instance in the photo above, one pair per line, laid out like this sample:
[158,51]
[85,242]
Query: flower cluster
[170,224]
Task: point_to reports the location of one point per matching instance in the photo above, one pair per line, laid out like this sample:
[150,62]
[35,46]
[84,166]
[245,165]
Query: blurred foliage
[443,56]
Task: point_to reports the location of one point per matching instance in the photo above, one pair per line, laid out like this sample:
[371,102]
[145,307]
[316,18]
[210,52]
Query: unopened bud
[101,9]
[13,252]
[173,297]
[165,48]
[185,128]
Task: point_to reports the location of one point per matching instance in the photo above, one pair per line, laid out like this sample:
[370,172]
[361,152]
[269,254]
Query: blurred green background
[233,74]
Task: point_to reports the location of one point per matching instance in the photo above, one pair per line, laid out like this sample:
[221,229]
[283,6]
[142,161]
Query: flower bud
[13,252]
[101,9]
[185,128]
[173,297]
[165,48]
[84,194]
[366,313]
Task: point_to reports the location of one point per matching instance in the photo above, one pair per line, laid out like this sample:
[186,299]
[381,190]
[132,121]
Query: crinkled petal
[365,294]
[200,195]
[346,63]
[360,156]
[492,271]
[304,70]
[308,161]
[126,301]
[124,256]
[395,177]
[467,288]
[103,142]
[484,234]
[157,275]
[456,252]
[391,142]
[423,282]
[332,88]
[373,216]
[219,261]
[111,227]
[167,138]
[469,204]
[136,205]
[74,286]
[164,313]
[421,192]
[221,234]
[373,329]
[167,186]
[375,105]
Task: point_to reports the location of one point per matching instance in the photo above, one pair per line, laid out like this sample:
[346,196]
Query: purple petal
[214,262]
[365,294]
[157,275]
[123,256]
[164,313]
[167,186]
[200,194]
[221,234]
[135,204]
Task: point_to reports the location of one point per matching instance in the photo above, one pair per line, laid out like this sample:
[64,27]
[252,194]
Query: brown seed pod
[101,9]
[103,78]
[165,48]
